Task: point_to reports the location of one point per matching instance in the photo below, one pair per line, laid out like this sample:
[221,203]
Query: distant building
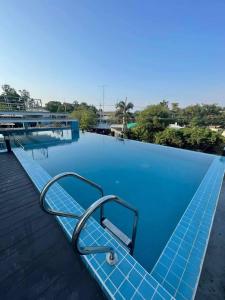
[175,126]
[19,121]
[116,129]
[215,128]
[103,122]
[14,103]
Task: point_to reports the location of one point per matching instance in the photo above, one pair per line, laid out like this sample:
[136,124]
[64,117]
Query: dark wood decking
[36,260]
[212,280]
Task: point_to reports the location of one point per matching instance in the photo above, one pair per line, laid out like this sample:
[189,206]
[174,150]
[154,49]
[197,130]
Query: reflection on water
[39,142]
[159,181]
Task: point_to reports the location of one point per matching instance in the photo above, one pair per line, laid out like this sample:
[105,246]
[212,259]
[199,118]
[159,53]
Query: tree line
[11,99]
[151,123]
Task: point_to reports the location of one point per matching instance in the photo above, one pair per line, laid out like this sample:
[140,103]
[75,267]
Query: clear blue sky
[146,50]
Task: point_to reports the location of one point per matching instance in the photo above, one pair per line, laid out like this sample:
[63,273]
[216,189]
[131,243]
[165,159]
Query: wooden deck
[36,260]
[212,281]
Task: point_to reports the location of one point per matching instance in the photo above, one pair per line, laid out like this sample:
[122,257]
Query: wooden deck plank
[36,260]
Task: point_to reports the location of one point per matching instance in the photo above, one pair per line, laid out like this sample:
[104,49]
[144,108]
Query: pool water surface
[159,181]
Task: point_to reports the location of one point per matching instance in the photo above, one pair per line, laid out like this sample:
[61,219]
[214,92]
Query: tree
[67,107]
[153,119]
[203,139]
[86,117]
[175,110]
[170,137]
[13,98]
[197,138]
[164,103]
[123,113]
[203,115]
[9,91]
[26,99]
[53,106]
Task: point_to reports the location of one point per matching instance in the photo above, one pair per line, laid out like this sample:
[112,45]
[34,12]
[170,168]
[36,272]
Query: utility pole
[100,112]
[102,105]
[103,98]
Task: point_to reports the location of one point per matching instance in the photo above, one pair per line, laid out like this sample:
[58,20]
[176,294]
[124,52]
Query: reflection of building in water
[58,134]
[39,154]
[39,142]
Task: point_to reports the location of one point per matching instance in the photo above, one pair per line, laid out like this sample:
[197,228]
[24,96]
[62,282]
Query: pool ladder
[111,256]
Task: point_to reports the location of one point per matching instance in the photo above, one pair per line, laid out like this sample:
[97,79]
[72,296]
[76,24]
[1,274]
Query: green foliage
[3,106]
[170,137]
[65,107]
[15,100]
[86,117]
[123,111]
[202,139]
[154,120]
[151,120]
[196,138]
[123,114]
[53,106]
[203,115]
[9,91]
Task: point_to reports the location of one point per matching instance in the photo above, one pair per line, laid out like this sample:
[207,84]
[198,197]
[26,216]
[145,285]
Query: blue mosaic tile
[158,277]
[176,269]
[137,296]
[157,296]
[161,269]
[125,268]
[190,278]
[146,289]
[135,278]
[172,279]
[110,285]
[152,281]
[185,290]
[181,259]
[193,231]
[169,287]
[127,279]
[163,293]
[127,290]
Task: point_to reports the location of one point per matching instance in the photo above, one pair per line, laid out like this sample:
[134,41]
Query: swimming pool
[159,181]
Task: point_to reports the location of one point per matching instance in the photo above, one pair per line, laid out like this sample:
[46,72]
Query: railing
[18,103]
[52,181]
[2,145]
[99,249]
[18,143]
[82,219]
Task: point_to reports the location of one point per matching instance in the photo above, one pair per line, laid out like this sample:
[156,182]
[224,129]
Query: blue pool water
[159,181]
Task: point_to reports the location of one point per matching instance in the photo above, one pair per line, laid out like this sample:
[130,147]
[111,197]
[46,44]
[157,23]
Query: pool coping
[190,259]
[134,277]
[126,280]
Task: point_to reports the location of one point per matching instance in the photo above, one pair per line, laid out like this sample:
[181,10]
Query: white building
[175,126]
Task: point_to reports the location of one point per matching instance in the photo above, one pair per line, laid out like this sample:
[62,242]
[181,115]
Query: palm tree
[123,112]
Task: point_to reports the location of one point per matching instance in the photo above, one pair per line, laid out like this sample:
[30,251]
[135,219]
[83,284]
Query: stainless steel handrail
[52,181]
[16,140]
[99,249]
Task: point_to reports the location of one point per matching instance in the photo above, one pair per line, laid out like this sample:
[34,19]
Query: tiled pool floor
[177,271]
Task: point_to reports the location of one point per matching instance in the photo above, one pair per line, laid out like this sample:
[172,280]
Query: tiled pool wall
[179,266]
[176,274]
